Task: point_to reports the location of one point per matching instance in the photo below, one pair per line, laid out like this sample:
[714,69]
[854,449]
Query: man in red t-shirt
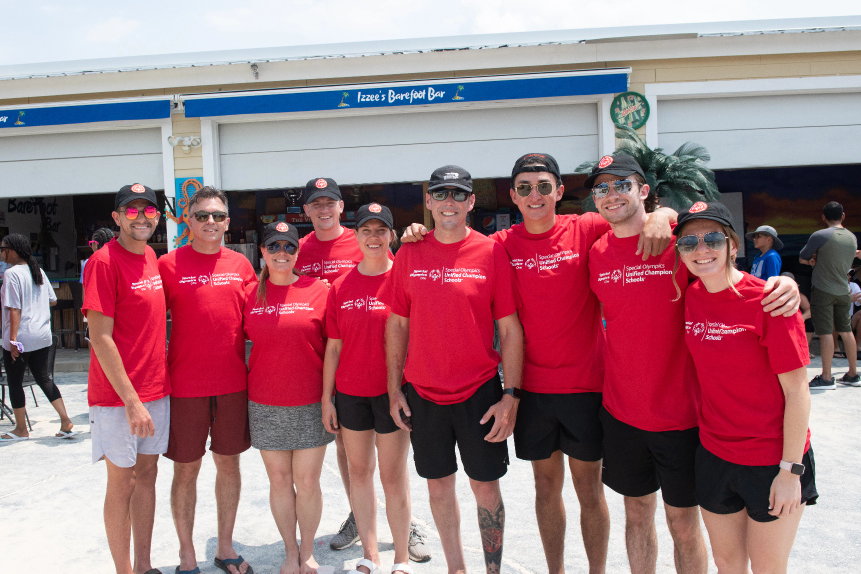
[445,293]
[204,288]
[329,252]
[129,388]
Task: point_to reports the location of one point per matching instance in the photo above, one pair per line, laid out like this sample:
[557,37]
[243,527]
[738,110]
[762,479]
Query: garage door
[402,147]
[81,162]
[766,131]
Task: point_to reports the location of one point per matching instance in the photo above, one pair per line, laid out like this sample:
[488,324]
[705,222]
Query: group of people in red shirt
[695,387]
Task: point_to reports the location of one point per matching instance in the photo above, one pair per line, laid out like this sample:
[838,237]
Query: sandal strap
[403,568]
[367,564]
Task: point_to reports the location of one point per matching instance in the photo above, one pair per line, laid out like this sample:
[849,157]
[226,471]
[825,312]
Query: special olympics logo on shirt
[530,263]
[360,303]
[270,310]
[147,284]
[617,274]
[698,329]
[435,274]
[203,279]
[316,267]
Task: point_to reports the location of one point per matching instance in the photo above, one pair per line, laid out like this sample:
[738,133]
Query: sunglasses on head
[623,186]
[456,194]
[713,240]
[274,248]
[523,189]
[150,212]
[203,216]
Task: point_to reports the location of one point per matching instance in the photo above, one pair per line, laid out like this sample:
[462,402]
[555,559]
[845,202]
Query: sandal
[237,562]
[367,564]
[405,568]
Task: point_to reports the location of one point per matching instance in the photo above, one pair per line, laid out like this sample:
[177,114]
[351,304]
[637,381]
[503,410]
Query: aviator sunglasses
[714,240]
[274,248]
[456,194]
[523,189]
[150,211]
[203,216]
[623,186]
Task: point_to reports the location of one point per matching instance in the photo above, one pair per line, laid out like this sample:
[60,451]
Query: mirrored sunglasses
[623,186]
[713,240]
[274,248]
[150,212]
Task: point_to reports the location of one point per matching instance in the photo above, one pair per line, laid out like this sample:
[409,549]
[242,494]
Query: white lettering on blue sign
[3,118]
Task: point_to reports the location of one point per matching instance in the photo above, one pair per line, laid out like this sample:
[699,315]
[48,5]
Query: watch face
[630,109]
[797,469]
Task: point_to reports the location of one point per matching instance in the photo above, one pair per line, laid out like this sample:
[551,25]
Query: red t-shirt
[738,351]
[205,295]
[559,313]
[328,259]
[356,314]
[451,294]
[650,381]
[289,336]
[127,287]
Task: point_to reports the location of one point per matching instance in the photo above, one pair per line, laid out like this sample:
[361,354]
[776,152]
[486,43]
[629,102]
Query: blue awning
[12,118]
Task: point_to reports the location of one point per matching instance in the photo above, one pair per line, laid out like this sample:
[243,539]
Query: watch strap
[513,391]
[793,467]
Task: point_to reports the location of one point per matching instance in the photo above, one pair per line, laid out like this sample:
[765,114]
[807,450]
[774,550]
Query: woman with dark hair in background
[100,237]
[27,298]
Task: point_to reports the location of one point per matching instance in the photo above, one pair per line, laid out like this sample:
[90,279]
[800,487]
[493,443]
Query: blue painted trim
[84,114]
[408,95]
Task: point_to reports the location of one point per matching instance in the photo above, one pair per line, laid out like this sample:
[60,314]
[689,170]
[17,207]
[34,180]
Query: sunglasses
[713,240]
[524,189]
[150,211]
[203,216]
[456,194]
[274,248]
[623,186]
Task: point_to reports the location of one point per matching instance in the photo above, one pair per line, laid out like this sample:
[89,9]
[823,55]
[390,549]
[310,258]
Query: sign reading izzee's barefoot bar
[590,82]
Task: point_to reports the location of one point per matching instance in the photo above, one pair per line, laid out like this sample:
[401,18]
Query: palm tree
[680,178]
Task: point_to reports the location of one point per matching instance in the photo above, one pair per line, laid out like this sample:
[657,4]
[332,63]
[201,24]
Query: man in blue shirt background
[767,263]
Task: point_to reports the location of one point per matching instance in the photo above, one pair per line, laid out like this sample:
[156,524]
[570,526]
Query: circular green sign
[630,109]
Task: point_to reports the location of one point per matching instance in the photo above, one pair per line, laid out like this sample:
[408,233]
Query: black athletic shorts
[726,488]
[567,422]
[437,428]
[364,413]
[639,462]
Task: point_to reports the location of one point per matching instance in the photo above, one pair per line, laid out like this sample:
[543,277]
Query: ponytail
[102,236]
[21,246]
[261,285]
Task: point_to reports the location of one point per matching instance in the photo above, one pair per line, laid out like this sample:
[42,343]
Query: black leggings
[38,362]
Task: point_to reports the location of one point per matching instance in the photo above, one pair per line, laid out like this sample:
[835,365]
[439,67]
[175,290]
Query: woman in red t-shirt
[755,453]
[355,365]
[285,318]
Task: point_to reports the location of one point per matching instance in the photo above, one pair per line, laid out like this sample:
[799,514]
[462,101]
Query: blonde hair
[730,260]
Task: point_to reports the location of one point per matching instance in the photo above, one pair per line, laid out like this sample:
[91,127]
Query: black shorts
[364,413]
[437,428]
[639,462]
[726,488]
[567,422]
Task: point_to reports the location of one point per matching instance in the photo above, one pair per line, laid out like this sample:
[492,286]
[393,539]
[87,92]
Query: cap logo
[282,227]
[451,175]
[138,188]
[605,161]
[697,207]
[321,183]
[375,208]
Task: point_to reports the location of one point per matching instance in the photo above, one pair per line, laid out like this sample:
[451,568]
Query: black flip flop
[223,564]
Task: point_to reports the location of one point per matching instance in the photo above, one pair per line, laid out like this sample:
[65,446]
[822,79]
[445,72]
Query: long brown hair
[261,285]
[730,260]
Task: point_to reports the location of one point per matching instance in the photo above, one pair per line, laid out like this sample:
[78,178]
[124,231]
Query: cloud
[110,31]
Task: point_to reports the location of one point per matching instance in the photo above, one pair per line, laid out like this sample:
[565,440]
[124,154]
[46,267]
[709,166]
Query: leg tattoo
[491,524]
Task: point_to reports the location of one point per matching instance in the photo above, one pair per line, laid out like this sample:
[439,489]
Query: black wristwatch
[513,391]
[793,467]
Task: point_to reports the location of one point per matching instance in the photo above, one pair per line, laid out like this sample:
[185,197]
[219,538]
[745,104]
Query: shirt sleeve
[12,293]
[599,226]
[395,294]
[100,288]
[817,240]
[164,272]
[504,294]
[332,314]
[772,266]
[785,341]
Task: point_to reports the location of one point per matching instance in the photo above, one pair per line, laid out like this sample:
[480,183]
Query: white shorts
[113,440]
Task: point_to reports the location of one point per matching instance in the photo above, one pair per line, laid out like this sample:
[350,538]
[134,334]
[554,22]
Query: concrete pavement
[52,495]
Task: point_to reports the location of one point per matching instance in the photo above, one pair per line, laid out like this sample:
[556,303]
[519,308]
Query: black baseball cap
[539,162]
[322,187]
[702,210]
[620,164]
[129,193]
[450,176]
[280,231]
[375,211]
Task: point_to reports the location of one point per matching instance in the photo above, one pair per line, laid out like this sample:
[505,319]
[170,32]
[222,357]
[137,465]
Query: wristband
[514,392]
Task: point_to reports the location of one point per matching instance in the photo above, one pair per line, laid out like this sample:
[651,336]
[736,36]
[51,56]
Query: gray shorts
[113,440]
[287,428]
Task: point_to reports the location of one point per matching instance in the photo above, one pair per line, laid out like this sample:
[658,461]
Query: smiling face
[279,262]
[374,239]
[537,207]
[448,213]
[618,208]
[704,262]
[325,213]
[139,228]
[208,231]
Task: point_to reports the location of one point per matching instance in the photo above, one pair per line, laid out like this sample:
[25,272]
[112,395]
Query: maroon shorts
[193,419]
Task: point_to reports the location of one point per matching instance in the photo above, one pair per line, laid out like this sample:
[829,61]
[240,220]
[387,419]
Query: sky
[37,31]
